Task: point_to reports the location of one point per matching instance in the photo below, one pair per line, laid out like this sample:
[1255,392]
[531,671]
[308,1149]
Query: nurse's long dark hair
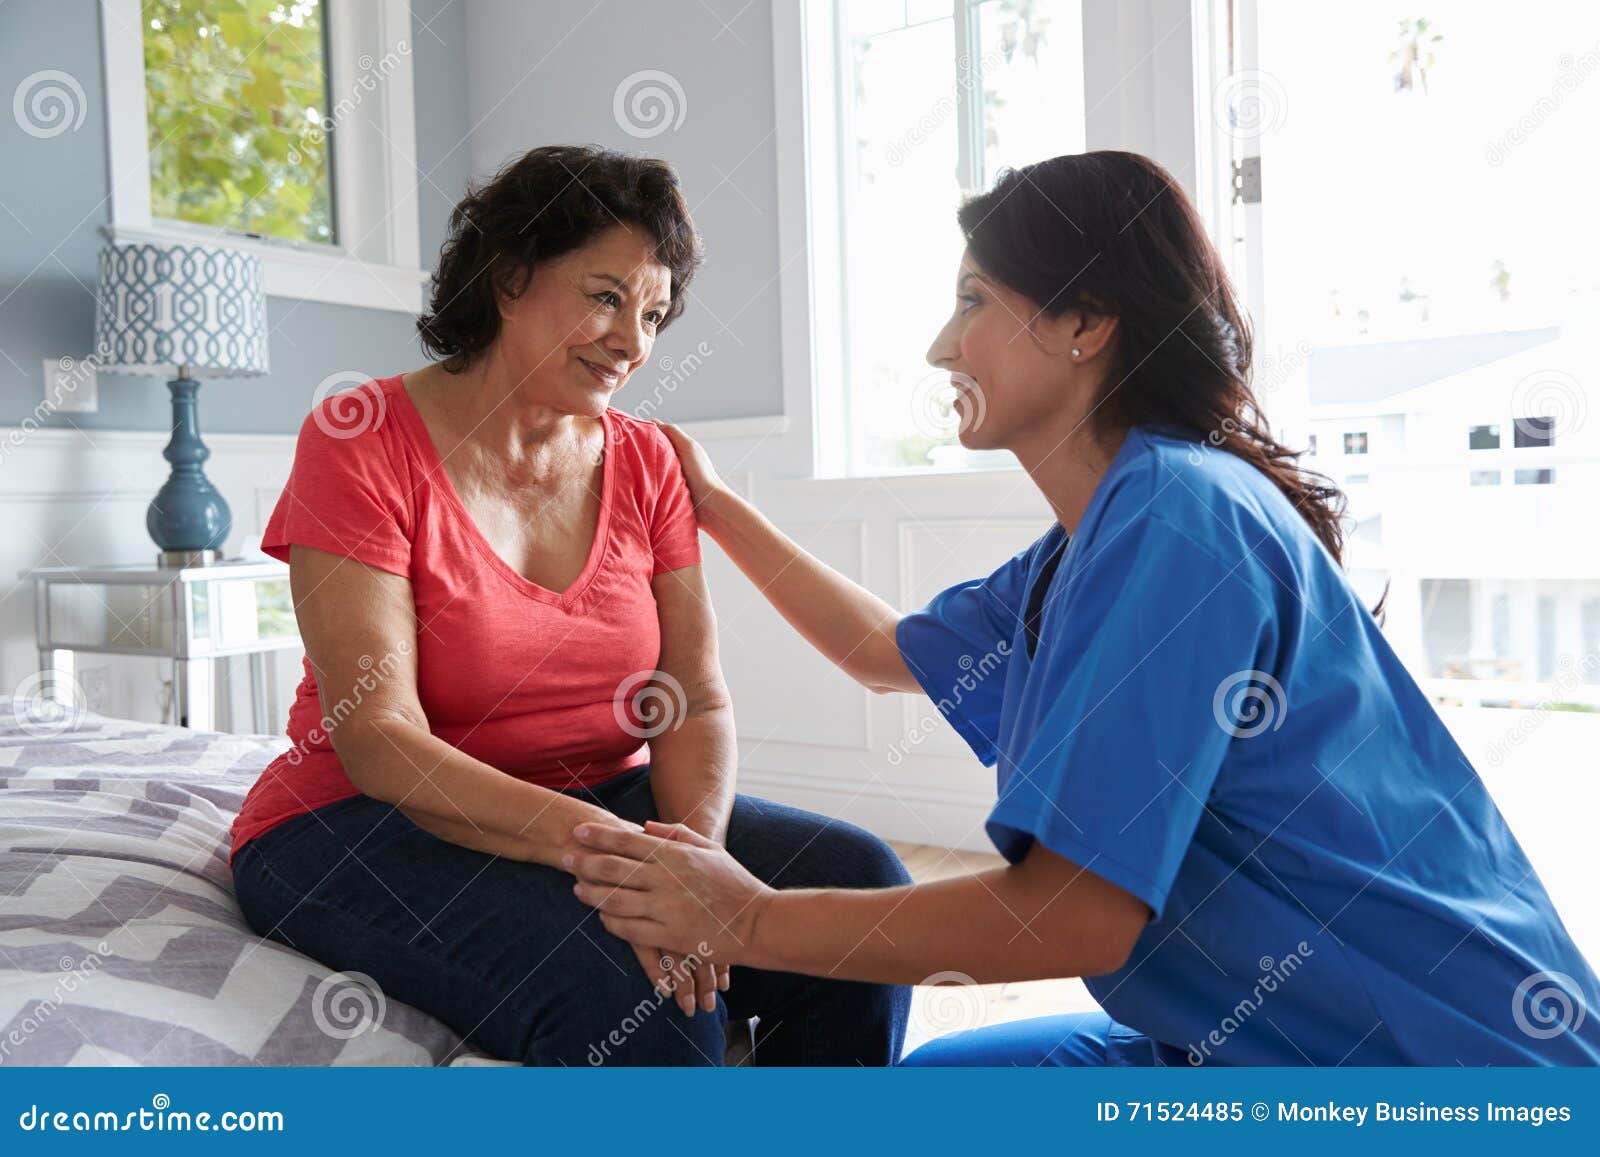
[1112,233]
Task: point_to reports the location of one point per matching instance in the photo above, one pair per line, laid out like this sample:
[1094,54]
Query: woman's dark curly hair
[547,202]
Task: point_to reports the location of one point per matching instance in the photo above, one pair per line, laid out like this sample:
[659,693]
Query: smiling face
[1013,367]
[586,321]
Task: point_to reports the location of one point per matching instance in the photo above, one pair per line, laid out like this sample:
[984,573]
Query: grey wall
[54,199]
[545,72]
[494,78]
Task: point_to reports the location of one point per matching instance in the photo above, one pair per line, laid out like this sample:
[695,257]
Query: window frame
[812,120]
[377,265]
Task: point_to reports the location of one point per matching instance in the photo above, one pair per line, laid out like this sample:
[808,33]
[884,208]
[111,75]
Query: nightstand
[191,615]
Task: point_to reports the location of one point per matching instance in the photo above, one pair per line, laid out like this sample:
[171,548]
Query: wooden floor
[950,1004]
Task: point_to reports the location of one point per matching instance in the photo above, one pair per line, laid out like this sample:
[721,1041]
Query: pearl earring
[1076,351]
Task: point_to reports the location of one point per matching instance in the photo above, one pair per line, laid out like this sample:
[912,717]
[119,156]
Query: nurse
[1224,802]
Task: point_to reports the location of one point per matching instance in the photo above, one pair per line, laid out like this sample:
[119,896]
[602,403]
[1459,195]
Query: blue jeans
[504,953]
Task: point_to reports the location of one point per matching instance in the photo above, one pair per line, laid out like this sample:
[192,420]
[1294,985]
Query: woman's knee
[869,859]
[790,848]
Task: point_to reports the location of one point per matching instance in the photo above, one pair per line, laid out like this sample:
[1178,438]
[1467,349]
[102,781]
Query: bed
[120,941]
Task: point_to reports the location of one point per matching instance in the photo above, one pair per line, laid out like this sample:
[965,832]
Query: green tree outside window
[236,96]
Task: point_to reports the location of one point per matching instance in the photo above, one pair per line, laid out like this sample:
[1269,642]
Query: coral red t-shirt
[528,680]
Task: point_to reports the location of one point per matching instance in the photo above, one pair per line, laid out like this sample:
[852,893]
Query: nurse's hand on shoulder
[698,471]
[670,886]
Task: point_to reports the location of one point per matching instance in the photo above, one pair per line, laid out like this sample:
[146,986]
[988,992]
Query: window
[1439,308]
[1547,637]
[235,111]
[1540,431]
[1500,626]
[285,128]
[932,98]
[1484,438]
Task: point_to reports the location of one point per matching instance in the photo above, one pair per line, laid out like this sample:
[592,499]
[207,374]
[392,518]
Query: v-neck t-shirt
[534,682]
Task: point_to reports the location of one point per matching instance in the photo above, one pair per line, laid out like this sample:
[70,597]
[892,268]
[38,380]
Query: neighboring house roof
[1556,376]
[1372,372]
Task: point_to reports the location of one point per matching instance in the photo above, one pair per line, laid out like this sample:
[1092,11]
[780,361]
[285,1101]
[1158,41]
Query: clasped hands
[668,885]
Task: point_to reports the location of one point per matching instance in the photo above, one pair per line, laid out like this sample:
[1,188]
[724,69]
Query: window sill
[322,274]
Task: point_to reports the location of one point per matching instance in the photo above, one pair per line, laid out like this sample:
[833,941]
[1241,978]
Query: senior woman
[1223,799]
[507,634]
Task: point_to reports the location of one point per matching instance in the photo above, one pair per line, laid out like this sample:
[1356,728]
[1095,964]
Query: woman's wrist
[549,838]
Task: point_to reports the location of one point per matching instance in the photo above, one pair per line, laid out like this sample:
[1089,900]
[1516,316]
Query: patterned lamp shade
[167,306]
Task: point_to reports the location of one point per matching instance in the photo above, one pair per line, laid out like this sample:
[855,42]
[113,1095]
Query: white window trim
[1127,107]
[811,326]
[378,265]
[810,117]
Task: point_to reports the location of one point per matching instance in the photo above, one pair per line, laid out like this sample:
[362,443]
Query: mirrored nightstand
[191,615]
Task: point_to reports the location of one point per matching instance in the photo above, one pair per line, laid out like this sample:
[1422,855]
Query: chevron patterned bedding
[120,941]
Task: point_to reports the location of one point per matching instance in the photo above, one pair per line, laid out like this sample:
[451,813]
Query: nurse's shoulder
[1219,502]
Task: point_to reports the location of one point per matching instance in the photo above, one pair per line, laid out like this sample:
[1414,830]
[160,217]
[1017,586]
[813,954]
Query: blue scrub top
[1198,708]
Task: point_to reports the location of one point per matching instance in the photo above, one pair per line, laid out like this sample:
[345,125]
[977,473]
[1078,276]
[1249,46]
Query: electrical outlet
[96,684]
[71,385]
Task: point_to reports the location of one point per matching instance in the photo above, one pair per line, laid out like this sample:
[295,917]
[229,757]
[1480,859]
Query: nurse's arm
[849,624]
[1043,917]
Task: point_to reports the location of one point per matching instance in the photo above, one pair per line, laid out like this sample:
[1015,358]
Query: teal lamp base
[188,513]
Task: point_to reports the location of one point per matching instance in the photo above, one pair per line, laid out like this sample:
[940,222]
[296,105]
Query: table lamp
[195,311]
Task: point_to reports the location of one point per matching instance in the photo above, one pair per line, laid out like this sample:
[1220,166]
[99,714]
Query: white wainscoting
[70,497]
[808,735]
